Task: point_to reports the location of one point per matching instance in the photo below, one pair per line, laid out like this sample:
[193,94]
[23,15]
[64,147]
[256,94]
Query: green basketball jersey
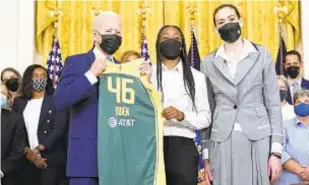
[130,128]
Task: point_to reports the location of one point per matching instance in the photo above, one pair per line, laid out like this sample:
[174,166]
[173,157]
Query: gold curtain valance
[75,33]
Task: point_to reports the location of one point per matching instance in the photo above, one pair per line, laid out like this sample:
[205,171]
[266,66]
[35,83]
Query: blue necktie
[110,59]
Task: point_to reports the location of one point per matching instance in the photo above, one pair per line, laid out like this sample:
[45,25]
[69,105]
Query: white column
[17,34]
[305,36]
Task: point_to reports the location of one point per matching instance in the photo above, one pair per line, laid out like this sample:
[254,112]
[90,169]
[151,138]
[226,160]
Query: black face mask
[12,84]
[283,95]
[110,43]
[293,71]
[170,48]
[230,32]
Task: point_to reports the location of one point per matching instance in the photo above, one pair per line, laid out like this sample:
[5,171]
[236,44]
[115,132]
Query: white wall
[305,35]
[17,47]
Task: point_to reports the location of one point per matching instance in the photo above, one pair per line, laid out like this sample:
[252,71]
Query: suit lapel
[47,101]
[304,83]
[221,65]
[23,103]
[244,66]
[90,57]
[116,61]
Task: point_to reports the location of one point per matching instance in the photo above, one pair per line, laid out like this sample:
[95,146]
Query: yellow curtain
[75,32]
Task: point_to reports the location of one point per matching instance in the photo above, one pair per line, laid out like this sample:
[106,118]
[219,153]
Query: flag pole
[192,9]
[55,25]
[195,62]
[54,12]
[281,11]
[143,11]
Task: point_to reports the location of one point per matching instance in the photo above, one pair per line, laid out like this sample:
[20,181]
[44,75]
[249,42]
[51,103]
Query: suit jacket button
[50,111]
[235,106]
[48,121]
[45,131]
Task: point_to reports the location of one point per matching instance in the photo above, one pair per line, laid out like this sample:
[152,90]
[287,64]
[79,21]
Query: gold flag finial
[192,10]
[283,9]
[54,11]
[143,11]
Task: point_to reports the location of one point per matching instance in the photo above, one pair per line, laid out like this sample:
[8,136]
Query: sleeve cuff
[91,77]
[189,119]
[285,157]
[276,147]
[205,154]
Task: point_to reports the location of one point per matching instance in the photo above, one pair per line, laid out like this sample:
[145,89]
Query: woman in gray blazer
[246,134]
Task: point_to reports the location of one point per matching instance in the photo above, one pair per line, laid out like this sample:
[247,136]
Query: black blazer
[51,130]
[13,142]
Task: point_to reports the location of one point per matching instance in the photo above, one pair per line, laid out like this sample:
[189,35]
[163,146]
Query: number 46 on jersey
[121,88]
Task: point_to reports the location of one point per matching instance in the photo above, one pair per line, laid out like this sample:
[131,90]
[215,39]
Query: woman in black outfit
[45,153]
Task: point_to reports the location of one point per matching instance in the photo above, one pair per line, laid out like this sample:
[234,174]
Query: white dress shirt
[174,94]
[31,115]
[232,64]
[287,112]
[294,85]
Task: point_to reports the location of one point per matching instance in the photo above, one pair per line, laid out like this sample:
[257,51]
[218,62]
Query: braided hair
[188,79]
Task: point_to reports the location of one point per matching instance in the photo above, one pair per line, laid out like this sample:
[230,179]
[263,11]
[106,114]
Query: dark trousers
[10,179]
[181,160]
[52,175]
[83,181]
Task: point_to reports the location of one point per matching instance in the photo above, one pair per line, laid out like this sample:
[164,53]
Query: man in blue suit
[293,66]
[78,90]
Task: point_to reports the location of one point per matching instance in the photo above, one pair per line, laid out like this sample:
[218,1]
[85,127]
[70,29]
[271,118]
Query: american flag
[194,58]
[54,65]
[280,57]
[144,48]
[193,54]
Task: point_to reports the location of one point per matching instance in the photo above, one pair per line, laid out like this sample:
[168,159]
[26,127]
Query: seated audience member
[295,157]
[287,109]
[13,142]
[129,56]
[12,79]
[45,152]
[293,69]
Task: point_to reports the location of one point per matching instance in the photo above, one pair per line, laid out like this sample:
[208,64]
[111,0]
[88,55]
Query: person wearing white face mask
[245,142]
[287,109]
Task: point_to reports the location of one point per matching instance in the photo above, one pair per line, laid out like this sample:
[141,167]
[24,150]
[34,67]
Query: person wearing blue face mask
[13,141]
[295,157]
[4,100]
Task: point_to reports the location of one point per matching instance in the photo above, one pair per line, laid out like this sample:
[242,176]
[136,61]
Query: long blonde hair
[10,97]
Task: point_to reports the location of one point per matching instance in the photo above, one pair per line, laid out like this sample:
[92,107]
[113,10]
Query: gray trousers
[239,161]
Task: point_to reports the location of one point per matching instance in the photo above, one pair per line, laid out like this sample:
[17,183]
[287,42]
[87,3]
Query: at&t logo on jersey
[113,122]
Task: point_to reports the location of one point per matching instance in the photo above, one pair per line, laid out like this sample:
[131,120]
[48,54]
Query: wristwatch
[276,155]
[36,150]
